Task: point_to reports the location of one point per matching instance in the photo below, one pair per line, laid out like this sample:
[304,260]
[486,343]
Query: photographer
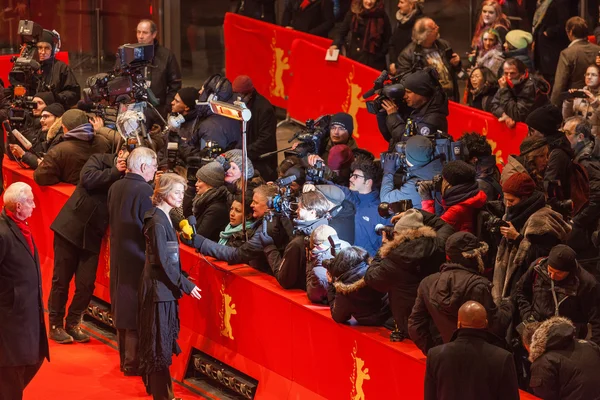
[428,109]
[461,196]
[184,104]
[289,267]
[415,251]
[422,166]
[348,294]
[341,129]
[479,153]
[341,211]
[532,229]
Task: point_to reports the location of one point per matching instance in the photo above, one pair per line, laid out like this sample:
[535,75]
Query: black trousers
[161,385]
[70,260]
[128,349]
[13,380]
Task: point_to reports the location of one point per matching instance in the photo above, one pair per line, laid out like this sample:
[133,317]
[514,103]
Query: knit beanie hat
[49,37]
[188,96]
[55,109]
[73,118]
[545,119]
[340,156]
[48,97]
[344,120]
[212,174]
[235,156]
[531,143]
[420,82]
[519,39]
[419,150]
[332,193]
[465,249]
[519,184]
[562,258]
[242,84]
[458,172]
[411,219]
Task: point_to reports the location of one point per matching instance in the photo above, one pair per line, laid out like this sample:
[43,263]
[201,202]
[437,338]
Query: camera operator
[422,166]
[461,196]
[262,127]
[531,230]
[479,154]
[341,129]
[43,139]
[427,113]
[427,49]
[78,231]
[415,251]
[64,161]
[184,103]
[55,74]
[251,252]
[289,267]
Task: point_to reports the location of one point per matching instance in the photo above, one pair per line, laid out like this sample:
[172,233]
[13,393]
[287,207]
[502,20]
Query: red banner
[6,65]
[262,51]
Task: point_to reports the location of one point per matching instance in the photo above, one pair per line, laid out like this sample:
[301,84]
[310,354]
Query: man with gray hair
[128,201]
[23,343]
[428,49]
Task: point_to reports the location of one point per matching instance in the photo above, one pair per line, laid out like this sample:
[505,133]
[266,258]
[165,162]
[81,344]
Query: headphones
[221,83]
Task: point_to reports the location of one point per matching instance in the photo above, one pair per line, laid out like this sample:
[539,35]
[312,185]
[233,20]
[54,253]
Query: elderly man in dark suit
[574,60]
[23,342]
[128,201]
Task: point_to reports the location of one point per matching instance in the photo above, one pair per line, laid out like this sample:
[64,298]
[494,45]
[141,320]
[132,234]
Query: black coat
[482,99]
[164,76]
[517,102]
[61,77]
[212,212]
[402,35]
[577,297]
[316,19]
[225,131]
[342,220]
[470,367]
[559,166]
[563,367]
[84,217]
[261,136]
[442,294]
[128,202]
[263,10]
[23,338]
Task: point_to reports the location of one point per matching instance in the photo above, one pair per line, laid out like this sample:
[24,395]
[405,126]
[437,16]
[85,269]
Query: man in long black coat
[23,342]
[78,231]
[471,366]
[128,201]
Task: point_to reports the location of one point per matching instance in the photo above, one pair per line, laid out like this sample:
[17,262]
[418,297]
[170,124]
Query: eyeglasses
[356,176]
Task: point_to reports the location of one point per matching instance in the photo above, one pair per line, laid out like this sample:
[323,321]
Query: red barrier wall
[6,65]
[292,347]
[262,51]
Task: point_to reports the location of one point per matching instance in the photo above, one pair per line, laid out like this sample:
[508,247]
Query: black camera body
[311,138]
[385,88]
[493,223]
[26,64]
[316,173]
[283,203]
[387,210]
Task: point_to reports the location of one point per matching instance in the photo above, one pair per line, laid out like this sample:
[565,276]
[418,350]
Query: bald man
[472,365]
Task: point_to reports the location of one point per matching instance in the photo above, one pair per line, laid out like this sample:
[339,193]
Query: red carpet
[88,371]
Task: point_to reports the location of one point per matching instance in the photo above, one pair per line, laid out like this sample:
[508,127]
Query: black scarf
[459,193]
[520,213]
[201,203]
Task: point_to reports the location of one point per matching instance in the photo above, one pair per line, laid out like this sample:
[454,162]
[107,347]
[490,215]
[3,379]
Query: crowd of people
[461,258]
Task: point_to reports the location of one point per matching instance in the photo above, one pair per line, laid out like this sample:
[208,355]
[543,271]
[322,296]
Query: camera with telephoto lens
[388,229]
[315,174]
[436,183]
[26,64]
[493,223]
[385,88]
[311,137]
[387,210]
[211,152]
[283,203]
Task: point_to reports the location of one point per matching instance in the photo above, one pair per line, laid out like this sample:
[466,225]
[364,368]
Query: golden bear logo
[107,254]
[354,100]
[227,310]
[360,374]
[280,64]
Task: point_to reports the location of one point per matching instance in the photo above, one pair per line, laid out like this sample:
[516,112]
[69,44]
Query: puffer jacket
[349,296]
[403,262]
[575,297]
[441,295]
[461,204]
[563,367]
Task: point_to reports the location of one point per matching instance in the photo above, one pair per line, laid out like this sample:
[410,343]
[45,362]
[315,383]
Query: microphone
[192,221]
[378,84]
[187,230]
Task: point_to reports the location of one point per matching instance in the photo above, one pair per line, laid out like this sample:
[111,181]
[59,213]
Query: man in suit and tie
[23,341]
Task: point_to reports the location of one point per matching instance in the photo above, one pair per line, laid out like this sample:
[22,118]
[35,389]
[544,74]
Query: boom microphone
[378,84]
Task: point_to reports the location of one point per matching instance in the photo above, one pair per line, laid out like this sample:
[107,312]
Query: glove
[425,188]
[195,242]
[265,239]
[390,163]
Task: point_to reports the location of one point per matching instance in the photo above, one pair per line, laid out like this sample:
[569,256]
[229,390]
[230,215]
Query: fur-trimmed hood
[352,280]
[344,288]
[554,333]
[406,235]
[54,129]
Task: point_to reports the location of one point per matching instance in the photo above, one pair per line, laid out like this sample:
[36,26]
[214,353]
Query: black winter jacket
[402,35]
[84,217]
[211,210]
[516,102]
[349,296]
[559,167]
[225,131]
[164,76]
[316,19]
[563,367]
[261,136]
[442,294]
[576,297]
[61,77]
[263,10]
[482,99]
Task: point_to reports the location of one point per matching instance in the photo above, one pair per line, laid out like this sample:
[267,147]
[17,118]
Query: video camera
[211,152]
[26,64]
[316,174]
[311,137]
[386,88]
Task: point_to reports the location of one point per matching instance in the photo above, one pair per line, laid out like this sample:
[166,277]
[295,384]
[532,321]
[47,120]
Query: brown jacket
[572,64]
